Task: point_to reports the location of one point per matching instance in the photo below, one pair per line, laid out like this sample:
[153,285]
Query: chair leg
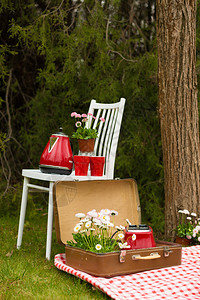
[22,212]
[49,222]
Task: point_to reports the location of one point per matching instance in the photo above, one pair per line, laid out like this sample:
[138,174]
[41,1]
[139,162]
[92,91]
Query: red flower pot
[97,165]
[182,241]
[81,164]
[86,145]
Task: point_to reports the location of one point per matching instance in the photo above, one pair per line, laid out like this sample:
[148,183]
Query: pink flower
[89,114]
[199,238]
[94,117]
[188,237]
[84,120]
[78,124]
[84,116]
[102,119]
[77,116]
[73,114]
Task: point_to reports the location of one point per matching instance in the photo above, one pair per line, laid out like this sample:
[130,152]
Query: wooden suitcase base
[165,254]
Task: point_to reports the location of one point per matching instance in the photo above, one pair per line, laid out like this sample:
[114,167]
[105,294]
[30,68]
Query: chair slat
[97,118]
[105,150]
[101,134]
[111,132]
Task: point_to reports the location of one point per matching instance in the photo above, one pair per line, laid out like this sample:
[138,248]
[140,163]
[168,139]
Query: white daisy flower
[105,218]
[84,220]
[134,237]
[189,218]
[97,222]
[186,212]
[121,235]
[92,213]
[77,228]
[88,224]
[110,224]
[118,228]
[125,245]
[120,245]
[80,224]
[114,213]
[105,211]
[98,247]
[80,215]
[193,214]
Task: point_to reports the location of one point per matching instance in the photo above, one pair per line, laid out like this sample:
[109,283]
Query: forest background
[55,56]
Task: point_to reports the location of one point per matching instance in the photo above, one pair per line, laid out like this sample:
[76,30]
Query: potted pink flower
[84,133]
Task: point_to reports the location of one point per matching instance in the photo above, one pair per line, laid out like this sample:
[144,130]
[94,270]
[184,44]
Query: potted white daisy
[188,228]
[96,232]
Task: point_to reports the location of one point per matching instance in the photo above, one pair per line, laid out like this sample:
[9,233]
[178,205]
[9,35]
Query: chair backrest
[108,132]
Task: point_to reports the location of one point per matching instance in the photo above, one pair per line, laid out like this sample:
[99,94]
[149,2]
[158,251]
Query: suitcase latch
[166,251]
[122,256]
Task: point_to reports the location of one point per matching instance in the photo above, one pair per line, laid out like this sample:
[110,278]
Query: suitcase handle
[153,255]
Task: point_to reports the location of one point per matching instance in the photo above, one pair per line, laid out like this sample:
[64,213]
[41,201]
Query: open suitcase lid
[72,197]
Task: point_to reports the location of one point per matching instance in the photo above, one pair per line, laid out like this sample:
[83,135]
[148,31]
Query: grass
[26,274]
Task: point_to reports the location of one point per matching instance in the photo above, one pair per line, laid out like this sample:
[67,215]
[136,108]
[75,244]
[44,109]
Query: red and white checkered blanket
[178,282]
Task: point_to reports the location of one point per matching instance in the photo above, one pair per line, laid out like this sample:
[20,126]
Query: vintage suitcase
[120,195]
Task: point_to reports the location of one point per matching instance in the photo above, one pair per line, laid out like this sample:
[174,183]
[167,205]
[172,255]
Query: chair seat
[37,174]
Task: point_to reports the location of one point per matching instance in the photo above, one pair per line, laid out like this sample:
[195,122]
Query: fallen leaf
[9,253]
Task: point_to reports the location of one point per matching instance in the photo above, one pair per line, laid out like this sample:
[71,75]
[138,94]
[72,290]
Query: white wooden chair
[105,145]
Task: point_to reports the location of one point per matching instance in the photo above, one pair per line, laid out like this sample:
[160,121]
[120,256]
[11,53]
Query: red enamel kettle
[57,156]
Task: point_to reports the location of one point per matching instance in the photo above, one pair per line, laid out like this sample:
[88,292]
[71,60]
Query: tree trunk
[178,107]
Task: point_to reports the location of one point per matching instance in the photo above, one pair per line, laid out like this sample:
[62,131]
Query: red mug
[81,164]
[97,165]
